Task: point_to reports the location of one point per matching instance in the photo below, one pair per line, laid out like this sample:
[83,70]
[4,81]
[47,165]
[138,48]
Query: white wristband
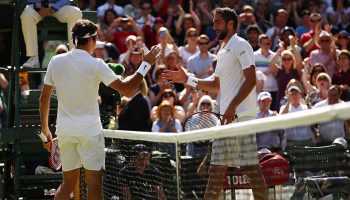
[42,136]
[144,68]
[192,81]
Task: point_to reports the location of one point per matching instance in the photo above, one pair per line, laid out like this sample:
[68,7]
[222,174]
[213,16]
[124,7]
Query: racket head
[55,156]
[201,120]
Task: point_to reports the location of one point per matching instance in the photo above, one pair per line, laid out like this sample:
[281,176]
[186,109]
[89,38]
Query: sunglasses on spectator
[205,104]
[203,43]
[325,41]
[265,43]
[287,58]
[193,35]
[167,95]
[322,78]
[316,20]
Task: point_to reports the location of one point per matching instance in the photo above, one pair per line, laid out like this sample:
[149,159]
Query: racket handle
[41,135]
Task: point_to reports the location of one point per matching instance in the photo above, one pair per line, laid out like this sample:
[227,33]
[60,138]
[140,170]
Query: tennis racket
[203,119]
[55,156]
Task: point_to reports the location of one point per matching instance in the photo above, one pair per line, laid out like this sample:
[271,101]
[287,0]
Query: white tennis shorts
[88,152]
[235,151]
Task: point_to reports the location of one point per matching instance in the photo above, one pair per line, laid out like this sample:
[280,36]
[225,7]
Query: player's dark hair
[81,31]
[228,14]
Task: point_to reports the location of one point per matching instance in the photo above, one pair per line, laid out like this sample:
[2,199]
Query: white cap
[264,95]
[100,45]
[341,141]
[131,37]
[169,51]
[294,87]
[324,33]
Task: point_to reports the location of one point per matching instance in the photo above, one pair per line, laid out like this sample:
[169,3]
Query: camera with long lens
[110,98]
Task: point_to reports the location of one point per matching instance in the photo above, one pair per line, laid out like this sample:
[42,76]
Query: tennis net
[149,165]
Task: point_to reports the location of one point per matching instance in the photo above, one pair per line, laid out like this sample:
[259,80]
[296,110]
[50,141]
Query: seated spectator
[305,25]
[108,18]
[342,77]
[150,32]
[157,89]
[172,61]
[292,82]
[288,40]
[170,96]
[166,123]
[290,68]
[281,18]
[263,56]
[245,20]
[310,74]
[185,22]
[331,130]
[308,40]
[327,54]
[320,92]
[133,9]
[110,4]
[298,136]
[146,15]
[190,48]
[201,64]
[252,34]
[33,13]
[133,60]
[343,40]
[99,51]
[264,18]
[203,10]
[166,42]
[139,178]
[120,29]
[272,139]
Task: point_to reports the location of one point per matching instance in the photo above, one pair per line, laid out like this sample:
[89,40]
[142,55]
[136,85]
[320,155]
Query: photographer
[120,29]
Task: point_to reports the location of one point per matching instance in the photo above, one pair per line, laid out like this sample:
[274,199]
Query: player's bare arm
[245,89]
[123,86]
[180,76]
[44,107]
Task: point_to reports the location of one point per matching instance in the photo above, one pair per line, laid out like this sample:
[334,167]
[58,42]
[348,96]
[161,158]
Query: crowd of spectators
[301,50]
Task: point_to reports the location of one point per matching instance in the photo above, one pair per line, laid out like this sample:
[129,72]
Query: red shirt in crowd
[306,37]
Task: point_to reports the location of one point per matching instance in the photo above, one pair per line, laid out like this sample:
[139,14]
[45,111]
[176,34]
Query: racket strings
[201,120]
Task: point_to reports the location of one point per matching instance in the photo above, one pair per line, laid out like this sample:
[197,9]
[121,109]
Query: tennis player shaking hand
[76,76]
[235,79]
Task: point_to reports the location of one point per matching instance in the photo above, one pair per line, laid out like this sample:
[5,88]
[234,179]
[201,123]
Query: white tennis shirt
[76,76]
[232,59]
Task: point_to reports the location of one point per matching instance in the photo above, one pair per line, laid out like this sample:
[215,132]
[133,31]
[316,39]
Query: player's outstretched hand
[152,55]
[179,76]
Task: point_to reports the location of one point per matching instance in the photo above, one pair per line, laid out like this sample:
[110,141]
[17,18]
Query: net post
[177,155]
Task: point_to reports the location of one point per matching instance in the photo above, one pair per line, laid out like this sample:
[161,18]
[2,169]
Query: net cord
[307,117]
